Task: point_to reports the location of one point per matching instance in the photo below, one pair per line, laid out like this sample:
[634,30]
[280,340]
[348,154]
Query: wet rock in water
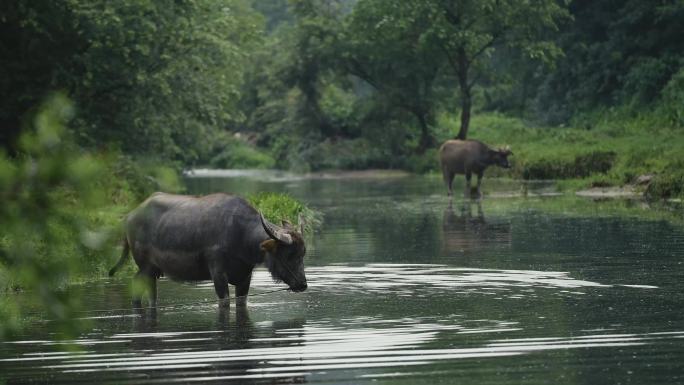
[644,179]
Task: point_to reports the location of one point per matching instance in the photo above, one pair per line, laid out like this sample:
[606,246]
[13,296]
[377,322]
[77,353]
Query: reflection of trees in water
[236,332]
[465,232]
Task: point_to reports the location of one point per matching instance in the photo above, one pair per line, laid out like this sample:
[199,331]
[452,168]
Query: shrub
[667,184]
[279,207]
[46,193]
[673,100]
[229,152]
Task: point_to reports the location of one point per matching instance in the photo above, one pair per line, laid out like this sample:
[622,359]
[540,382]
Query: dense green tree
[36,43]
[155,77]
[290,81]
[469,31]
[459,35]
[315,80]
[617,52]
[386,47]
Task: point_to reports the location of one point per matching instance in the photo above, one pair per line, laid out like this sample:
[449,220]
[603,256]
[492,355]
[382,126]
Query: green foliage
[61,215]
[426,162]
[667,185]
[138,177]
[672,107]
[359,84]
[577,166]
[332,83]
[153,77]
[616,53]
[280,207]
[34,187]
[229,152]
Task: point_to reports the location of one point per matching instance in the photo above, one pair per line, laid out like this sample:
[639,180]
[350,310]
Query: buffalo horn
[275,232]
[300,223]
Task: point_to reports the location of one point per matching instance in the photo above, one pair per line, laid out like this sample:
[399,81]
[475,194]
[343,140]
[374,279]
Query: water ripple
[312,349]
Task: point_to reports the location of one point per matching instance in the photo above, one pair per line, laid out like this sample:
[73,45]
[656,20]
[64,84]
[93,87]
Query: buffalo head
[500,157]
[284,254]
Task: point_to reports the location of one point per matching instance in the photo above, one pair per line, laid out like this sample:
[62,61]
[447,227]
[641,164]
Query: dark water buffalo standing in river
[218,237]
[468,157]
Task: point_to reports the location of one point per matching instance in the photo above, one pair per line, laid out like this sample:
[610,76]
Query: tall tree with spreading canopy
[386,47]
[155,77]
[462,35]
[468,31]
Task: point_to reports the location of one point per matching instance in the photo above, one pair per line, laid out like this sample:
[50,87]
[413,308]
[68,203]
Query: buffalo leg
[242,290]
[479,182]
[468,177]
[143,282]
[221,287]
[153,292]
[448,180]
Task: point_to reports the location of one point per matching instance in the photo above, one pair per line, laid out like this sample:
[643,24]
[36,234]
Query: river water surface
[406,288]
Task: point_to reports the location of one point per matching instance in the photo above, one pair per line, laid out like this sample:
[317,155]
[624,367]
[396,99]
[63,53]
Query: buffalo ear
[269,245]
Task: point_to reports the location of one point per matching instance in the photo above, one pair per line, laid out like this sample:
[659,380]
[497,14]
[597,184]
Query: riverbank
[615,152]
[612,150]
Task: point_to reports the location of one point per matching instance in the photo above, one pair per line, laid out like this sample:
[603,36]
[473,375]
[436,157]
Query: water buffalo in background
[218,237]
[468,157]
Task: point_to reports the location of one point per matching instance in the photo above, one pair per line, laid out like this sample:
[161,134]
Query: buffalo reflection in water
[224,346]
[466,233]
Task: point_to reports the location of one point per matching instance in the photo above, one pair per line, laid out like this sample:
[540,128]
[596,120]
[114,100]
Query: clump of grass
[279,207]
[562,167]
[666,185]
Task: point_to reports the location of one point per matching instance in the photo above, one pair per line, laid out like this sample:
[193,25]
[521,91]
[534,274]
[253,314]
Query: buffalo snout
[299,287]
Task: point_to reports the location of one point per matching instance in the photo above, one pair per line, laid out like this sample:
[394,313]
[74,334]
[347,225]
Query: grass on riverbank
[613,152]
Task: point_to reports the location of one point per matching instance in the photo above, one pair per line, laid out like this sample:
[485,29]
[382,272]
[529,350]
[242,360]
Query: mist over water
[406,288]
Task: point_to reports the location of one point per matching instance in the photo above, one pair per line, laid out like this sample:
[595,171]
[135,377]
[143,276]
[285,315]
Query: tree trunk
[466,98]
[426,139]
[466,103]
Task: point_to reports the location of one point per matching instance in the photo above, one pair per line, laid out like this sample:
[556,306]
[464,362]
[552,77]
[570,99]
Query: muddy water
[405,288]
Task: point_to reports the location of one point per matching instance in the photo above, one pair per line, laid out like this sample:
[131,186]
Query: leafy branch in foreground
[36,188]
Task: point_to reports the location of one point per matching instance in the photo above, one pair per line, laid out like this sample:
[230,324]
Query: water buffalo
[218,237]
[468,157]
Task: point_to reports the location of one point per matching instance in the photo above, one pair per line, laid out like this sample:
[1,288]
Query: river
[524,287]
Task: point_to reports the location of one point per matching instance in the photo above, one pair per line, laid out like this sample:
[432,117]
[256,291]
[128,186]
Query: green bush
[423,163]
[672,106]
[351,154]
[279,207]
[668,184]
[61,215]
[47,192]
[579,166]
[229,152]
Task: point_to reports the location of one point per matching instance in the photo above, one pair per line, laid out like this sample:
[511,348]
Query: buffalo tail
[122,260]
